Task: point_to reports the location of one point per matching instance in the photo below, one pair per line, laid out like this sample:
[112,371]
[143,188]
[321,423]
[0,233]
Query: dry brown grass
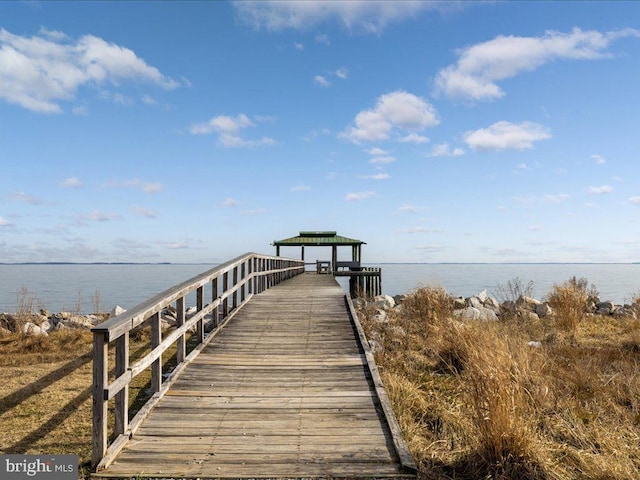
[45,395]
[475,401]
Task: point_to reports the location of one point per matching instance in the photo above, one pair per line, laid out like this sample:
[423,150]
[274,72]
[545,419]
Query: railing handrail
[257,273]
[115,326]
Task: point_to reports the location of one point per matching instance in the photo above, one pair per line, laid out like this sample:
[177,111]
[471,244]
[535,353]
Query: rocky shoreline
[479,307]
[483,307]
[44,322]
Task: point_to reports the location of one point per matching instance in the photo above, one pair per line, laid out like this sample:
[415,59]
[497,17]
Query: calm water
[68,287]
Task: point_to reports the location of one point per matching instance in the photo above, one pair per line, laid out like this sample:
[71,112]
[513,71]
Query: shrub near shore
[523,396]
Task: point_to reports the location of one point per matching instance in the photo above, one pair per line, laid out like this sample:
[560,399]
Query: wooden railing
[250,274]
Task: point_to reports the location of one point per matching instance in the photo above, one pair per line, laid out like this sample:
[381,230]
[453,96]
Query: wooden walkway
[283,391]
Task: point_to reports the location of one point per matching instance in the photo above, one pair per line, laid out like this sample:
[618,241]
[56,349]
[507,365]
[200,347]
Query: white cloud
[397,110]
[146,187]
[555,198]
[5,223]
[357,196]
[300,188]
[98,216]
[229,202]
[506,135]
[413,138]
[148,100]
[382,160]
[175,245]
[228,130]
[528,200]
[299,46]
[82,110]
[377,176]
[600,160]
[342,73]
[143,212]
[39,72]
[601,189]
[377,152]
[365,16]
[25,198]
[321,81]
[323,38]
[480,66]
[406,208]
[444,150]
[634,200]
[71,182]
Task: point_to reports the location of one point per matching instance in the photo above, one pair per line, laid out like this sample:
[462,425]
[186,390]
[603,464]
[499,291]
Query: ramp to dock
[283,391]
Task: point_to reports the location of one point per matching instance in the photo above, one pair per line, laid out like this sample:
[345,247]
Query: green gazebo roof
[318,239]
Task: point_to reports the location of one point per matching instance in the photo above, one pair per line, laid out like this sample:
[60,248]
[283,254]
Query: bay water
[82,287]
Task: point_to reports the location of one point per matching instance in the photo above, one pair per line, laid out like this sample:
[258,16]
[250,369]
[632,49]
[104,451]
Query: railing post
[225,287]
[249,272]
[100,410]
[121,410]
[214,297]
[181,344]
[199,307]
[235,292]
[156,367]
[243,274]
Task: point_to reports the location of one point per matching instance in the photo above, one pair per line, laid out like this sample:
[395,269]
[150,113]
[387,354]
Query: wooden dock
[287,389]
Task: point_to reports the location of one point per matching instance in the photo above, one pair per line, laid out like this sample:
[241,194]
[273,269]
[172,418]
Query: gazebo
[362,280]
[325,239]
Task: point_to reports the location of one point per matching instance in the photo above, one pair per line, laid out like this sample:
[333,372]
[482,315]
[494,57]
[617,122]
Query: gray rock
[535,344]
[543,310]
[399,299]
[359,303]
[459,303]
[468,313]
[528,316]
[527,302]
[32,329]
[384,301]
[605,308]
[95,319]
[482,296]
[117,310]
[487,315]
[77,322]
[169,320]
[380,316]
[492,303]
[474,302]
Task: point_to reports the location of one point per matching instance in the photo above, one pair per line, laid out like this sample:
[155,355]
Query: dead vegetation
[475,400]
[45,395]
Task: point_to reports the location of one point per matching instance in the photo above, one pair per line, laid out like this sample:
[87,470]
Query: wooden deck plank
[284,391]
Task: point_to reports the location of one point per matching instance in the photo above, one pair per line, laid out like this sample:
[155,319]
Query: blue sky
[435,132]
